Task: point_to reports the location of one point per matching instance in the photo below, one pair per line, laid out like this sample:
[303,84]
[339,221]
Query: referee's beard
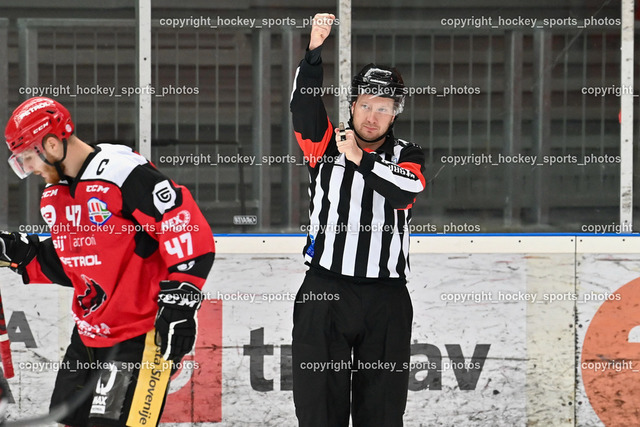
[370,122]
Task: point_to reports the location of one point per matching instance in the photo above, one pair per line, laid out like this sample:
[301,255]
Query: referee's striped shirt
[359,215]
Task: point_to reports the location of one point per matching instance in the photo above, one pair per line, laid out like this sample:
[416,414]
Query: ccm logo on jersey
[50,193]
[164,196]
[97,189]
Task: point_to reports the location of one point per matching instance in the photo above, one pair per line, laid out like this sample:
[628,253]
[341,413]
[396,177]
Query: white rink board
[528,376]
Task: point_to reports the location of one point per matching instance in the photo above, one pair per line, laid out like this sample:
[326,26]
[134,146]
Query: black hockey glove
[17,249]
[176,322]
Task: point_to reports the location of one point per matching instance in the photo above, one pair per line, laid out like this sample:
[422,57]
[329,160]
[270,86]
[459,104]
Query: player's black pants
[333,316]
[112,386]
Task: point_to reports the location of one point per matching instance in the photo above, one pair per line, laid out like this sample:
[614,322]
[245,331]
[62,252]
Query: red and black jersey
[359,215]
[117,230]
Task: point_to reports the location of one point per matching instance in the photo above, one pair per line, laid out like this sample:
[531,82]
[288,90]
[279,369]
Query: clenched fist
[349,147]
[320,29]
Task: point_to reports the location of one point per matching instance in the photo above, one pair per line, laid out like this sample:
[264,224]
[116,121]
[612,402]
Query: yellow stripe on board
[152,384]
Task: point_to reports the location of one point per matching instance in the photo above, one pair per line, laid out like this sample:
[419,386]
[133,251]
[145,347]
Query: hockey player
[362,187]
[136,250]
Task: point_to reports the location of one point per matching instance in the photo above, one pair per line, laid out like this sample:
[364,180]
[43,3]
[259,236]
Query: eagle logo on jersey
[98,212]
[92,298]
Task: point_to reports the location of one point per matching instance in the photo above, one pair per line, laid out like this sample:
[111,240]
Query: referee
[352,317]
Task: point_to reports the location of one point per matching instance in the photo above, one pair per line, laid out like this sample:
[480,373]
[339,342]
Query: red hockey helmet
[30,123]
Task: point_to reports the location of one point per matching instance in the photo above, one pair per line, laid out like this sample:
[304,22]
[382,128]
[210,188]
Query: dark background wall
[483,91]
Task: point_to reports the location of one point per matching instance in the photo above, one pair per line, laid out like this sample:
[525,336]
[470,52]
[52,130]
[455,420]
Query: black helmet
[379,81]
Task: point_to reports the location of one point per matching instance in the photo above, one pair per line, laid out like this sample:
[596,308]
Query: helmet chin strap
[58,163]
[369,141]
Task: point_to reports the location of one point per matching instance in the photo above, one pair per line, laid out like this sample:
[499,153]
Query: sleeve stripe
[416,169]
[295,84]
[314,150]
[409,182]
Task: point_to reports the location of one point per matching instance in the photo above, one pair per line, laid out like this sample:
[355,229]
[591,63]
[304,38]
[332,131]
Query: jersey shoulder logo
[164,196]
[98,212]
[93,297]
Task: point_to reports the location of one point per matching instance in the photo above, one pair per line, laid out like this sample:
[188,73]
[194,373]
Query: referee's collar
[386,147]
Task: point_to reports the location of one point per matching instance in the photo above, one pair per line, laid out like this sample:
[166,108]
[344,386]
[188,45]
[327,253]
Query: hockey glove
[17,249]
[176,321]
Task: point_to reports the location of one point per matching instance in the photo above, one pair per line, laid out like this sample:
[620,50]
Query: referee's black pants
[334,315]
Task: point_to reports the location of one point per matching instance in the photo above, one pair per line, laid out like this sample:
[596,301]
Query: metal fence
[482,96]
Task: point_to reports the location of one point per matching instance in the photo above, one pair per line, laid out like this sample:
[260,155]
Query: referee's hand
[349,147]
[320,29]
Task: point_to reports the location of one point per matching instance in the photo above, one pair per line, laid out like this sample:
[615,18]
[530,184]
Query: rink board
[504,306]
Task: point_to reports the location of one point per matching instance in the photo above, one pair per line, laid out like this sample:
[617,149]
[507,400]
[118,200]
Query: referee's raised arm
[312,127]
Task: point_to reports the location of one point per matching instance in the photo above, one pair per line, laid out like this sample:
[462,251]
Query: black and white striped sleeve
[398,183]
